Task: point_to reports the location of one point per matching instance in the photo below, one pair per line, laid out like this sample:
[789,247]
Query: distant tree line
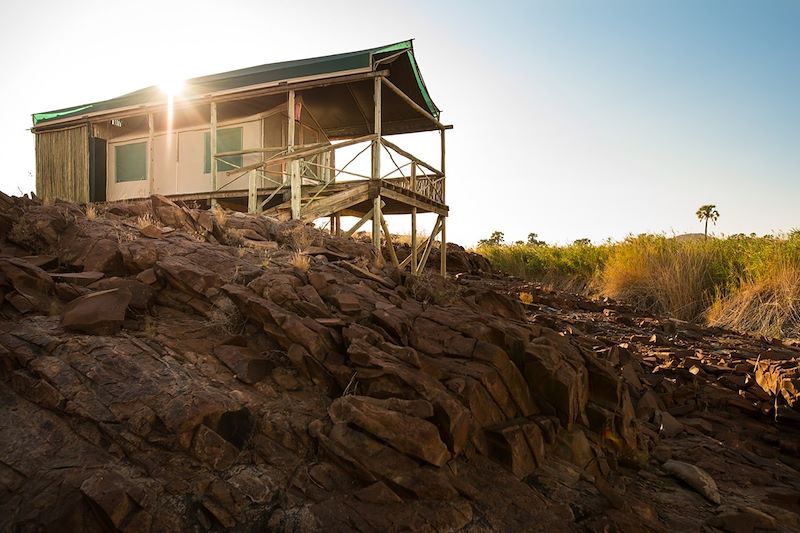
[497,238]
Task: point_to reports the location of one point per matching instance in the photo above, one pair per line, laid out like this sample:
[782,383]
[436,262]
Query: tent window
[130,162]
[228,140]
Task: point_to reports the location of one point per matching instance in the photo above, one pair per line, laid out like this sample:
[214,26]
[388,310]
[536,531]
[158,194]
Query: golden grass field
[746,283]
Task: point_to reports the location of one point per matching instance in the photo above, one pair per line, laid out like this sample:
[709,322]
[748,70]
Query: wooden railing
[314,164]
[427,185]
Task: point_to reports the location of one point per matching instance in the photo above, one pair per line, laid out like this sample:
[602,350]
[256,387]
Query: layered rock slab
[242,392]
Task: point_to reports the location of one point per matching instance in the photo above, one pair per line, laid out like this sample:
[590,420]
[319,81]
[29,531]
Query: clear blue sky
[572,118]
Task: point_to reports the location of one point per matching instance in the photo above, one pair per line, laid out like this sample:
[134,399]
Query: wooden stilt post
[358,224]
[429,245]
[376,223]
[338,218]
[389,243]
[443,240]
[151,177]
[294,165]
[414,219]
[252,192]
[376,165]
[212,136]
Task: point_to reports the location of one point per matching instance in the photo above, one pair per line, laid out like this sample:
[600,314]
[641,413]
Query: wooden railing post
[295,182]
[414,219]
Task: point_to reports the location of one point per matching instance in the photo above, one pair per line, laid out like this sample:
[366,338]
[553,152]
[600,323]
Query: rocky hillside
[175,369]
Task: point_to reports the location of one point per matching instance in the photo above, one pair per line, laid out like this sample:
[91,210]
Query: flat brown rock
[244,363]
[98,313]
[77,278]
[405,433]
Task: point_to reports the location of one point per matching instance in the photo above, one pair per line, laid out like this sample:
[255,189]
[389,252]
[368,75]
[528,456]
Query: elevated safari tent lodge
[267,139]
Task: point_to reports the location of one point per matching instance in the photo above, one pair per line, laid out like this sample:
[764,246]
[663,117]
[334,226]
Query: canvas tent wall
[181,155]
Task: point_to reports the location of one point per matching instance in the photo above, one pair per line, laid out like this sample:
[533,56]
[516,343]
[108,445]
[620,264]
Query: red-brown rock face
[176,372]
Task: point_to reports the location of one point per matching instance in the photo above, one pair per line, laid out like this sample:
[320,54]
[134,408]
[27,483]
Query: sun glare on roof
[171,87]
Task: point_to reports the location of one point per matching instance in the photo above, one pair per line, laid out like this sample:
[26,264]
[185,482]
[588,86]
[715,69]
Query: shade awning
[398,58]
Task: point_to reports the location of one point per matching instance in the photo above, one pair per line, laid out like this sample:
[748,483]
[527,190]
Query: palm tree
[707,212]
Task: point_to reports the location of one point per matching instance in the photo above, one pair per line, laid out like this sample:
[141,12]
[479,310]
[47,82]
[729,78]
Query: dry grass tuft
[233,237]
[146,220]
[300,238]
[769,306]
[378,260]
[432,288]
[150,326]
[124,236]
[199,235]
[301,261]
[362,261]
[405,238]
[662,276]
[91,212]
[220,215]
[227,319]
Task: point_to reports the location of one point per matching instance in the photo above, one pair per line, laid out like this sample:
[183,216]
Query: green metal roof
[246,77]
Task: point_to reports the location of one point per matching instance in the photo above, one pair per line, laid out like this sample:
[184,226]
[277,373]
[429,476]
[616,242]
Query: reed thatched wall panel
[62,164]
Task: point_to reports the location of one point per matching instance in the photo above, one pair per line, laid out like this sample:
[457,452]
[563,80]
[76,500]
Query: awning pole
[213,150]
[376,166]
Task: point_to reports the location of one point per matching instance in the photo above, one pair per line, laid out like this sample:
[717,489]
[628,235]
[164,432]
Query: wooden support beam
[390,127]
[403,96]
[151,176]
[243,169]
[407,260]
[336,202]
[412,201]
[389,243]
[306,153]
[338,218]
[282,87]
[443,248]
[268,149]
[429,245]
[295,182]
[361,221]
[423,245]
[413,219]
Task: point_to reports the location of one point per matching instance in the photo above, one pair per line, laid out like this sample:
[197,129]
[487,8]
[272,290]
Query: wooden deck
[346,198]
